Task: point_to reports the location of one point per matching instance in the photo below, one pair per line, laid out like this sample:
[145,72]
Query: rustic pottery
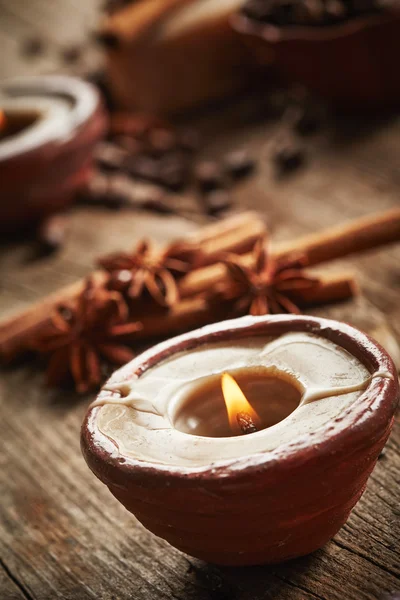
[165,57]
[265,497]
[54,123]
[352,65]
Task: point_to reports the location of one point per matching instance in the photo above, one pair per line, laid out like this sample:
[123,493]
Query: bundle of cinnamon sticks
[208,250]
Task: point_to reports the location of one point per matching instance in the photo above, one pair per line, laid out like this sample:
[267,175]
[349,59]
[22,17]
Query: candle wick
[245,423]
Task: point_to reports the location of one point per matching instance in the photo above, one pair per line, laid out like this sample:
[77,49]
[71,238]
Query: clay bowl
[260,507]
[353,65]
[55,121]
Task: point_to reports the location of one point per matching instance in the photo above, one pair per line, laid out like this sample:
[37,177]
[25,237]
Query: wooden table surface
[62,535]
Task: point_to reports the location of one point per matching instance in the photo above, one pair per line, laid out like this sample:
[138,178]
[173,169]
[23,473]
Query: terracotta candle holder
[158,435]
[50,126]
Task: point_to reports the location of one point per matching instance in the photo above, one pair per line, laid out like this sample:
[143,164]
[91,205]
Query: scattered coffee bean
[51,234]
[119,189]
[33,47]
[161,141]
[209,176]
[307,123]
[96,192]
[335,10]
[189,140]
[147,195]
[95,187]
[173,172]
[239,164]
[109,156]
[255,9]
[288,156]
[128,143]
[159,205]
[133,124]
[143,166]
[317,13]
[217,201]
[71,54]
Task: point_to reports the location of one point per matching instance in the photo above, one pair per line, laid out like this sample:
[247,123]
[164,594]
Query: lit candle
[281,418]
[48,128]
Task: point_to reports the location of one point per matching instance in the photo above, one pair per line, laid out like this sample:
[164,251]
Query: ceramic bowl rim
[274,34]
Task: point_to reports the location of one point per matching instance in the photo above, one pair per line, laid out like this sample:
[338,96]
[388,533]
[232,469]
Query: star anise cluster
[99,325]
[270,286]
[147,272]
[78,338]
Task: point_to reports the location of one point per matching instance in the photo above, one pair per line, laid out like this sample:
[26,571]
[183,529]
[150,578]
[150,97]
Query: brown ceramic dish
[353,65]
[260,507]
[55,122]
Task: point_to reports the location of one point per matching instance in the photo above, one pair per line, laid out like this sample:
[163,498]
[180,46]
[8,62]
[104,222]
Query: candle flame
[242,416]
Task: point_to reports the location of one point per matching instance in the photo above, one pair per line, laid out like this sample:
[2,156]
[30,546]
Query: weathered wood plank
[10,586]
[62,535]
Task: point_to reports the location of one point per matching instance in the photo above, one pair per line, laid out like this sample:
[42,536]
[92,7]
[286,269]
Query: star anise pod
[79,338]
[145,270]
[270,286]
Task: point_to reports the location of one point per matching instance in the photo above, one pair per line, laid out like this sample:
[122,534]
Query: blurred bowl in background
[50,126]
[168,57]
[353,65]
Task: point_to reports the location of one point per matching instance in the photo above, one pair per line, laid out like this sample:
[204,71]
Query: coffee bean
[33,47]
[109,156]
[307,122]
[147,194]
[96,192]
[288,157]
[133,124]
[315,9]
[189,140]
[71,54]
[119,190]
[209,176]
[310,12]
[128,143]
[335,10]
[256,9]
[161,141]
[158,204]
[143,167]
[239,164]
[173,172]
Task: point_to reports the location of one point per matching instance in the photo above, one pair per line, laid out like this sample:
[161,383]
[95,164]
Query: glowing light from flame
[242,416]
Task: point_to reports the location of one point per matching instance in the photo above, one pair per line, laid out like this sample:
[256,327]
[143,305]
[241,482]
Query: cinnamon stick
[191,311]
[195,311]
[357,236]
[235,234]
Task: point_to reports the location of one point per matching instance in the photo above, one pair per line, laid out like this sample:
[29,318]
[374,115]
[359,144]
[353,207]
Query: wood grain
[62,535]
